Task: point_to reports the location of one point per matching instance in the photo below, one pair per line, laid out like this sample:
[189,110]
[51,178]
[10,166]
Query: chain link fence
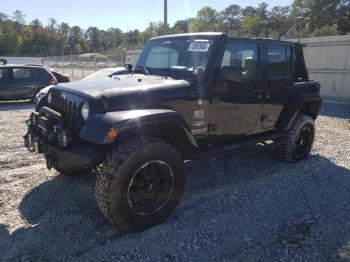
[80,66]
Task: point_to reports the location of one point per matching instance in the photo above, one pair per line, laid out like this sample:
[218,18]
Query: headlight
[49,98]
[85,110]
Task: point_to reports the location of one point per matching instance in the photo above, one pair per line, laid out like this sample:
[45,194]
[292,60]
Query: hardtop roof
[217,34]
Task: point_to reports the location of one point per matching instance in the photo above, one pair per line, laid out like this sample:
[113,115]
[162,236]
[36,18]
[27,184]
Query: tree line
[304,18]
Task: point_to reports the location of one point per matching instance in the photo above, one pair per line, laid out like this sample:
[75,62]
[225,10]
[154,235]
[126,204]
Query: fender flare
[96,127]
[295,105]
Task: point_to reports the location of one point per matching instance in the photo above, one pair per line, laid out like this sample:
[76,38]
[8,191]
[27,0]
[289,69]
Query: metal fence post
[71,61]
[82,66]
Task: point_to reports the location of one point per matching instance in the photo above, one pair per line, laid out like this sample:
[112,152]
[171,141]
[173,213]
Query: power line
[150,12]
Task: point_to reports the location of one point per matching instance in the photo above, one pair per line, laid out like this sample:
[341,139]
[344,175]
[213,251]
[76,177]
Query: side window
[243,55]
[3,75]
[279,61]
[23,73]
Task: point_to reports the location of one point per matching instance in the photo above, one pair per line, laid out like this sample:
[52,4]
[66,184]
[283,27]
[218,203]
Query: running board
[234,146]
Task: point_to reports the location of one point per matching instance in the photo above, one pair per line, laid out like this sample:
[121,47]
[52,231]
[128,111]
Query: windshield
[176,57]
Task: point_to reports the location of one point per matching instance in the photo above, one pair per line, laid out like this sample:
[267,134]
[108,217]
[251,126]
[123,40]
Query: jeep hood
[124,90]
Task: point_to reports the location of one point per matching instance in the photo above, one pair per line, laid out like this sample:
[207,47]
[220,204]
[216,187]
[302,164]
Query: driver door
[236,108]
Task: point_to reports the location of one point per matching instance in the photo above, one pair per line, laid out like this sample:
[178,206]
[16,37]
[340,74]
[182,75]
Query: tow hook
[49,161]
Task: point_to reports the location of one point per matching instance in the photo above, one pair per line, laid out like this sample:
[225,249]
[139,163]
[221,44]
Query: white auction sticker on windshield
[199,47]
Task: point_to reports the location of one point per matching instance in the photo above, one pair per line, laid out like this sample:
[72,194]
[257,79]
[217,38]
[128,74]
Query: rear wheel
[140,183]
[298,141]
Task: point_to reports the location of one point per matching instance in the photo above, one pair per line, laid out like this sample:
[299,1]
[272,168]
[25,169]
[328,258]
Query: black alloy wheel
[303,142]
[150,187]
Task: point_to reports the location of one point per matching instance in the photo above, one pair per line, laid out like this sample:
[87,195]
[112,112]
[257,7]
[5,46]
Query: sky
[126,15]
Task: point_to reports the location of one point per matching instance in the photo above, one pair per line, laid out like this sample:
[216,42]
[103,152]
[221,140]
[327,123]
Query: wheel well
[311,108]
[169,131]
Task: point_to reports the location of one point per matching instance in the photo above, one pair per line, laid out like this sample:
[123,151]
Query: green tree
[3,16]
[316,13]
[77,50]
[207,20]
[52,23]
[230,18]
[279,21]
[114,38]
[252,25]
[344,18]
[19,17]
[181,26]
[324,31]
[92,35]
[75,37]
[249,11]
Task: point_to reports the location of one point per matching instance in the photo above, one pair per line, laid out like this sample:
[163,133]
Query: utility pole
[165,16]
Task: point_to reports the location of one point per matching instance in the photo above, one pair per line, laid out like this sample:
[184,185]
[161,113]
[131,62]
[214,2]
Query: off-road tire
[119,169]
[284,151]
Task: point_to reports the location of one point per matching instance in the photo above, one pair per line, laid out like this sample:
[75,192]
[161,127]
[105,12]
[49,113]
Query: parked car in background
[88,65]
[61,78]
[22,60]
[103,73]
[23,82]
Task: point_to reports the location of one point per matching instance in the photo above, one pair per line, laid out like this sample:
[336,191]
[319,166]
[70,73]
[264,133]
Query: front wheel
[140,184]
[298,141]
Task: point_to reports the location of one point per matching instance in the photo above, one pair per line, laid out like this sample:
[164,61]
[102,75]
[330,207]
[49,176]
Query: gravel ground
[237,207]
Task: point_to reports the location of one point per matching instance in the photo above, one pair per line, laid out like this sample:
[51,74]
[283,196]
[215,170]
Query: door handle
[267,94]
[288,86]
[258,91]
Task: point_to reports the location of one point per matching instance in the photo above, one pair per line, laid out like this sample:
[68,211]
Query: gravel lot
[237,207]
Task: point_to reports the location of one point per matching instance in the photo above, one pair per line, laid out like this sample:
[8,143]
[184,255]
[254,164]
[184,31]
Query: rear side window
[24,73]
[279,61]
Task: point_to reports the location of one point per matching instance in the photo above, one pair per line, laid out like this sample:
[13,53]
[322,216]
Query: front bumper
[76,157]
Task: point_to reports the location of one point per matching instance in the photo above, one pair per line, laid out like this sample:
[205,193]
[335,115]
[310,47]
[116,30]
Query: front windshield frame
[177,72]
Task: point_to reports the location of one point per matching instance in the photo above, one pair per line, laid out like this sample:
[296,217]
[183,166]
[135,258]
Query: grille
[67,108]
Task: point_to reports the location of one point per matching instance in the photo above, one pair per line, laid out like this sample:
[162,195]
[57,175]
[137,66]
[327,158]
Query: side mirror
[129,67]
[231,73]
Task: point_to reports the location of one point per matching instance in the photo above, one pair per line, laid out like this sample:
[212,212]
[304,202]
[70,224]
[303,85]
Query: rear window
[279,61]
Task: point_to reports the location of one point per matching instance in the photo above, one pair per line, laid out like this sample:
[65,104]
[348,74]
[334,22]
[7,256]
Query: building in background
[132,56]
[328,61]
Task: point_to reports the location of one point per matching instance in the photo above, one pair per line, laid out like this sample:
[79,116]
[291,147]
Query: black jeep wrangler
[187,94]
